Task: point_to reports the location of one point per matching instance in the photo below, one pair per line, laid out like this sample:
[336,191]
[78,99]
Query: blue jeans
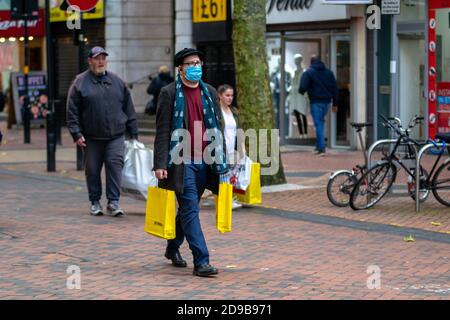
[187,220]
[318,112]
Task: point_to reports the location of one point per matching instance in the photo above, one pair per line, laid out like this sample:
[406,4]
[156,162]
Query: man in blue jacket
[320,84]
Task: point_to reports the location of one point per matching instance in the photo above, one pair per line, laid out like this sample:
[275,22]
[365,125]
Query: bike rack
[418,158]
[372,148]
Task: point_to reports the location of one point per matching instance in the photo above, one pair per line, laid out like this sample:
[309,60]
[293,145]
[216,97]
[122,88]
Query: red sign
[15,28]
[438,4]
[443,110]
[84,5]
[432,104]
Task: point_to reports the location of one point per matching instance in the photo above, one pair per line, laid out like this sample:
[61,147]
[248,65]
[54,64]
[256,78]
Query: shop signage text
[209,11]
[15,28]
[303,11]
[390,7]
[281,5]
[58,15]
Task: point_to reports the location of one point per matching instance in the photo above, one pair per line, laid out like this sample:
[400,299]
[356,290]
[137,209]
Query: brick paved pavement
[44,229]
[313,250]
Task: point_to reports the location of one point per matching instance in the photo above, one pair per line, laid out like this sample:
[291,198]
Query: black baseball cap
[186,52]
[95,51]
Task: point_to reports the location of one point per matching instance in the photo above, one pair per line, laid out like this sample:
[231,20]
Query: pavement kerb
[360,224]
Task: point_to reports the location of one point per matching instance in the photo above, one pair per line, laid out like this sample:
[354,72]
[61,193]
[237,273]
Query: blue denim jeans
[318,112]
[187,220]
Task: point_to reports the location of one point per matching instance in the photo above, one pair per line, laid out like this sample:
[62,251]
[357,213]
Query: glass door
[298,124]
[411,96]
[341,130]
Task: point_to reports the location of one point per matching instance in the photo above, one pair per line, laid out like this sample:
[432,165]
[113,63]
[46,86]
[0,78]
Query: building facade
[335,32]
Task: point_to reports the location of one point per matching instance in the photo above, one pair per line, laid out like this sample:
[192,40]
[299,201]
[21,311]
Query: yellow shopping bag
[223,204]
[160,213]
[253,193]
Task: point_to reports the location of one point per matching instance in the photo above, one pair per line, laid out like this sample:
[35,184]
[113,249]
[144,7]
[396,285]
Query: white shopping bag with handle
[241,174]
[137,174]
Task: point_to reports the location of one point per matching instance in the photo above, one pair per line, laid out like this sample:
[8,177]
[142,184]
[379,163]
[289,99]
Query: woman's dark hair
[224,87]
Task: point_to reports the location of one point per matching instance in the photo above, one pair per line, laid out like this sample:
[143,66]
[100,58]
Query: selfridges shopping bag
[223,202]
[160,213]
[137,174]
[253,193]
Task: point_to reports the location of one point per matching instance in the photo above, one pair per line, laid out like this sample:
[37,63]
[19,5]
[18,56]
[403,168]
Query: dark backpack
[150,107]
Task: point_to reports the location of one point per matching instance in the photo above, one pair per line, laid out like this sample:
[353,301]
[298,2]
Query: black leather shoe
[176,258]
[205,270]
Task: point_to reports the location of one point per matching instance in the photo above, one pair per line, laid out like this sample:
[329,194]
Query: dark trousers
[188,220]
[111,154]
[302,122]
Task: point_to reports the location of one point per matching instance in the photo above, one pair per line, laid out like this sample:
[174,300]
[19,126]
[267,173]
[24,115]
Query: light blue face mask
[194,73]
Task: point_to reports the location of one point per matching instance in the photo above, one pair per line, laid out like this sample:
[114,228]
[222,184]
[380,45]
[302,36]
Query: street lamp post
[26,71]
[51,116]
[80,162]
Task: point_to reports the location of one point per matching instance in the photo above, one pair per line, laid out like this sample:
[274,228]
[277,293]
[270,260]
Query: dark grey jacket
[100,109]
[175,174]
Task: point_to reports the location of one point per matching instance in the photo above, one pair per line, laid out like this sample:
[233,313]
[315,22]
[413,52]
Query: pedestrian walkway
[47,237]
[306,174]
[294,246]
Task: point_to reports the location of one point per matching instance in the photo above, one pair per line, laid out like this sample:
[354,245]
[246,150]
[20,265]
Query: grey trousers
[110,153]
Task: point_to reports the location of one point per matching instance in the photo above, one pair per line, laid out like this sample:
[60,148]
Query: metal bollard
[51,142]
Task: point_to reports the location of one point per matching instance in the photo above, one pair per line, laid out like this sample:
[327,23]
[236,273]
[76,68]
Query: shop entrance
[298,124]
[340,64]
[411,93]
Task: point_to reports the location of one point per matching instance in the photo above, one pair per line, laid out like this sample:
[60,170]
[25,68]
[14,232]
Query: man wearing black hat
[189,106]
[99,113]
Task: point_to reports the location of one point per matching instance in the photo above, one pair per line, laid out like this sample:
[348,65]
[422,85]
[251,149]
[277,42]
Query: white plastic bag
[240,174]
[137,174]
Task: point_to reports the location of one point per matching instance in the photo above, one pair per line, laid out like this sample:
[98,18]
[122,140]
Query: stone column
[139,38]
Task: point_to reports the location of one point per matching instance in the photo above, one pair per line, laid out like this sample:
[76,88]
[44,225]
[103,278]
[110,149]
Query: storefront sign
[390,7]
[58,15]
[432,105]
[15,28]
[443,109]
[438,4]
[209,11]
[84,5]
[297,11]
[37,89]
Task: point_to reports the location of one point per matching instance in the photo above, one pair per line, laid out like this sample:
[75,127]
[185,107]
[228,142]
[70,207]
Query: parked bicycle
[378,180]
[341,183]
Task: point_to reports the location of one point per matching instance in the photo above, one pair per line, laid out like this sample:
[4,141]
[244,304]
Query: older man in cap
[100,112]
[188,105]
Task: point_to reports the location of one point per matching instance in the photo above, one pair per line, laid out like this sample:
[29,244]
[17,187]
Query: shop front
[12,50]
[438,67]
[66,52]
[336,33]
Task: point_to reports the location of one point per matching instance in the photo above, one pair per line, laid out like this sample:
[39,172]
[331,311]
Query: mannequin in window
[275,86]
[298,103]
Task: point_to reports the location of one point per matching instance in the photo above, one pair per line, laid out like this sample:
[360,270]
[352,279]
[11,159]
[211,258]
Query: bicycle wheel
[441,184]
[340,187]
[424,191]
[372,186]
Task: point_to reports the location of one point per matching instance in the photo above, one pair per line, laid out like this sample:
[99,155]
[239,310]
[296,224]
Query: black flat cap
[179,57]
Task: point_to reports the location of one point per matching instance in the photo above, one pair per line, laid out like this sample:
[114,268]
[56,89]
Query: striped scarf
[209,118]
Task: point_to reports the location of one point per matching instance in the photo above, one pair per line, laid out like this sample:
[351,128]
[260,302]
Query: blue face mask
[194,73]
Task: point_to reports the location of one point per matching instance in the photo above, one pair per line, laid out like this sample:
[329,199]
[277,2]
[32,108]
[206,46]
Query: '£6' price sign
[209,10]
